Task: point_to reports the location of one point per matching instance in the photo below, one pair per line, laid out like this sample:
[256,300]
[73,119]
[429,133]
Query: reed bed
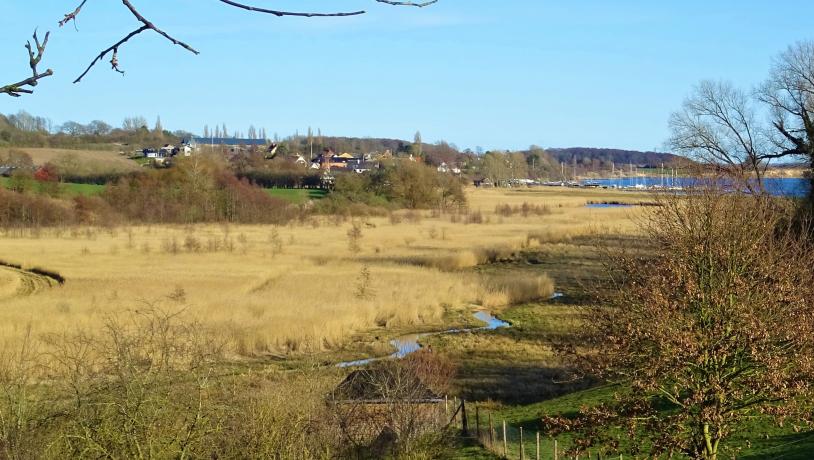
[297,288]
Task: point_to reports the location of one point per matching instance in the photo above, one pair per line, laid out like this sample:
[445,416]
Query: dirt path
[16,281]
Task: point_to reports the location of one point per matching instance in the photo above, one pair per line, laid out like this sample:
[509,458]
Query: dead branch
[419,5]
[288,13]
[17,89]
[147,25]
[114,61]
[72,15]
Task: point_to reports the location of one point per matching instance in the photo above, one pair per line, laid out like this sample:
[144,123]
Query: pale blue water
[407,344]
[776,186]
[608,205]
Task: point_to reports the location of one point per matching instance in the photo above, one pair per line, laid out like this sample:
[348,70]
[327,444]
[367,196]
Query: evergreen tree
[418,148]
[158,130]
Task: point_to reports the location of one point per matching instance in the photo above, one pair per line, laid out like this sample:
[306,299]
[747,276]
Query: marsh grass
[310,304]
[510,289]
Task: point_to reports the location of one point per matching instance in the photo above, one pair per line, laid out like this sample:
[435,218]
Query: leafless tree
[723,126]
[718,126]
[789,94]
[26,86]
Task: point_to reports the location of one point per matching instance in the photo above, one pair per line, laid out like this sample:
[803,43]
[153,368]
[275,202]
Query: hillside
[586,155]
[83,161]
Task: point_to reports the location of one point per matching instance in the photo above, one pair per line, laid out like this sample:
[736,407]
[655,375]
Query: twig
[114,61]
[16,89]
[147,25]
[419,5]
[115,48]
[72,16]
[288,13]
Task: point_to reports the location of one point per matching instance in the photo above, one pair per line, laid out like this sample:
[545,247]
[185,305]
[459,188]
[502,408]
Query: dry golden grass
[82,160]
[296,288]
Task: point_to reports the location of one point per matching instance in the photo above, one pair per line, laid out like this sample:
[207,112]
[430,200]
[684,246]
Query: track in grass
[16,281]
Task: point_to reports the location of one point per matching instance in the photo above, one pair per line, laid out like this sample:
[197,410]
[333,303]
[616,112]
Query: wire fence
[510,441]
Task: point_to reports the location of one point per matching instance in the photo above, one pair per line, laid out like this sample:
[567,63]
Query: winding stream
[408,343]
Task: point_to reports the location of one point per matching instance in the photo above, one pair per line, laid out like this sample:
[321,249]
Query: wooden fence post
[477,423]
[505,442]
[556,454]
[455,406]
[491,432]
[522,451]
[538,446]
[464,422]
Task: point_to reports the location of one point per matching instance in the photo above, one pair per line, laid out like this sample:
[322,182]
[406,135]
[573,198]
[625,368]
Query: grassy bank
[514,375]
[297,196]
[66,189]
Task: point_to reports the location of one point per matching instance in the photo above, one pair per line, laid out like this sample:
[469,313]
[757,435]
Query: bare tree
[717,125]
[25,86]
[789,94]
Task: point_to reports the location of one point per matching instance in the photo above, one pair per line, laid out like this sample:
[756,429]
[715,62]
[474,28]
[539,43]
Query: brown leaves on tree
[713,327]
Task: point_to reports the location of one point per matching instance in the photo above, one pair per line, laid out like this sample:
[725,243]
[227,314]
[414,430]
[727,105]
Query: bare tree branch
[17,89]
[419,5]
[72,15]
[288,13]
[147,25]
[114,61]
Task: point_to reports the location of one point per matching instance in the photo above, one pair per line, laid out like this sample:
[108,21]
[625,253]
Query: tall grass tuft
[511,289]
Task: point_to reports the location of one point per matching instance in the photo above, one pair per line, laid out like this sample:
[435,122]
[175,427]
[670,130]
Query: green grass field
[507,365]
[513,374]
[67,189]
[296,196]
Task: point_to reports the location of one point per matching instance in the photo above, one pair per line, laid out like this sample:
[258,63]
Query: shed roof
[383,384]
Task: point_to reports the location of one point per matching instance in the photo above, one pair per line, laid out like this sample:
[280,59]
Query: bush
[195,191]
[19,210]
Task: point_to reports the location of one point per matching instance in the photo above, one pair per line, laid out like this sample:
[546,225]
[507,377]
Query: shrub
[18,210]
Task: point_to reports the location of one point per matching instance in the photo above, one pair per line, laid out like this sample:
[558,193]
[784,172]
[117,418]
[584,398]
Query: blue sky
[489,73]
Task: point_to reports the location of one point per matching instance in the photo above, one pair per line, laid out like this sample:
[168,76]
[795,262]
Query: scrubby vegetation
[403,184]
[197,190]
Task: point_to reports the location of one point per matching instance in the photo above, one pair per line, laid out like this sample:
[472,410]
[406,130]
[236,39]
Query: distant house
[446,169]
[329,160]
[168,151]
[363,166]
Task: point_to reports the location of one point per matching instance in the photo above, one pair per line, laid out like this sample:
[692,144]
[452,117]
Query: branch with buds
[19,88]
[16,89]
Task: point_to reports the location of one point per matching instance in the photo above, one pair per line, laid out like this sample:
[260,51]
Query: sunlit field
[80,160]
[302,288]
